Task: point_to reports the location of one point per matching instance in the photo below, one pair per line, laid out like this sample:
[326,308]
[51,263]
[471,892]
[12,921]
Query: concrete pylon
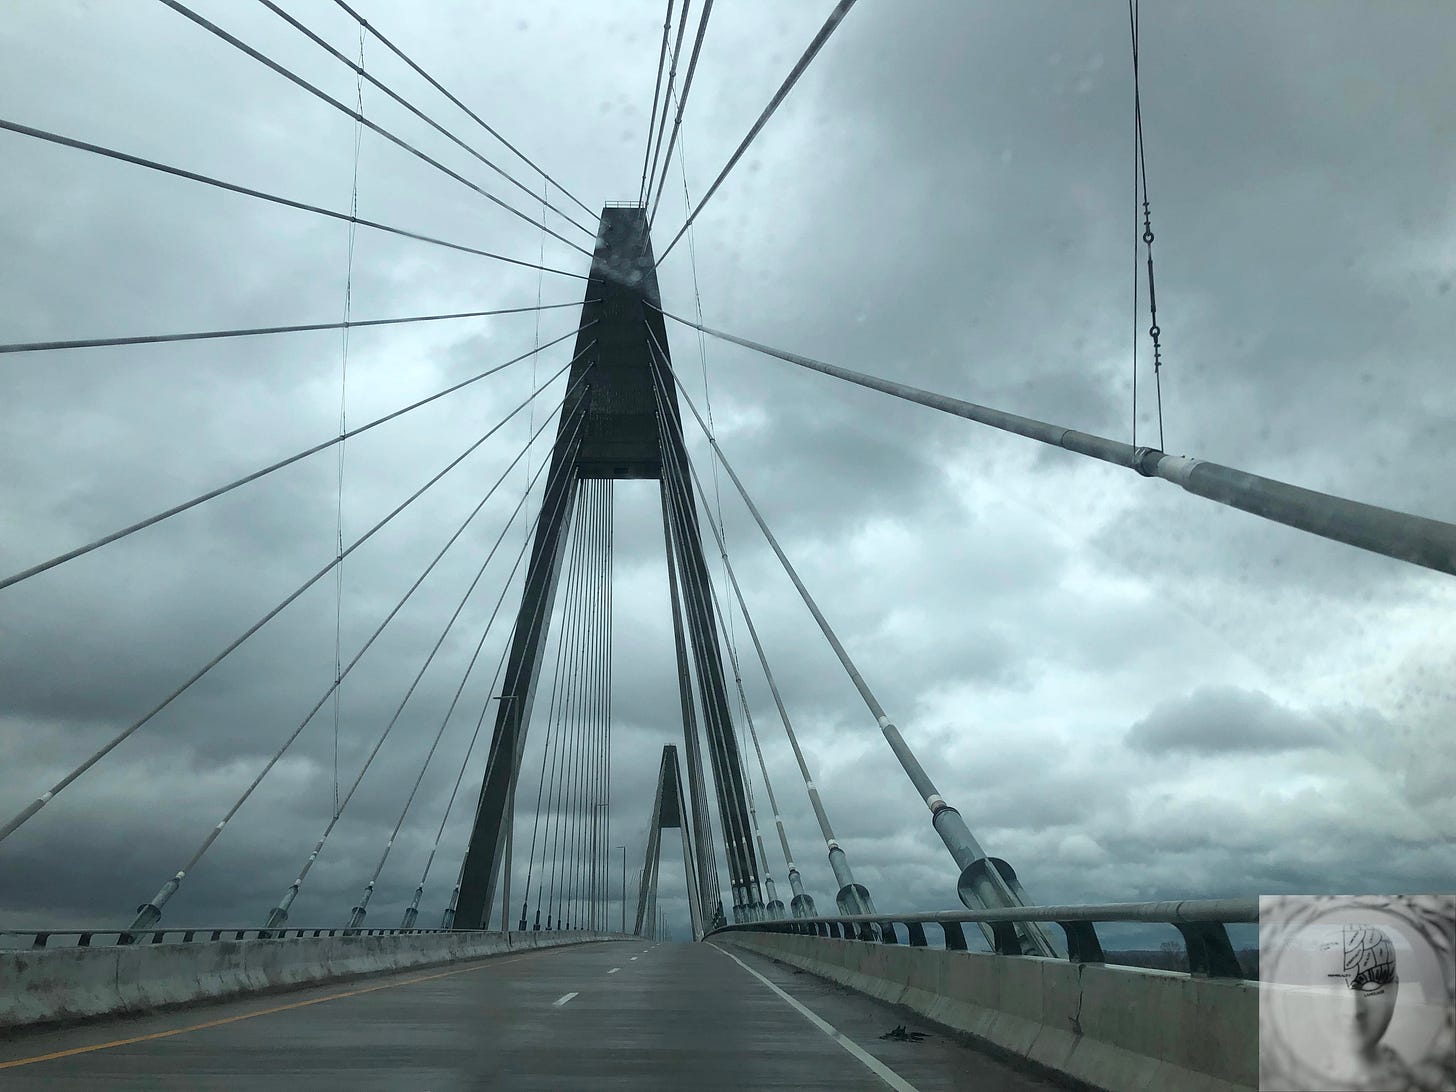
[623,435]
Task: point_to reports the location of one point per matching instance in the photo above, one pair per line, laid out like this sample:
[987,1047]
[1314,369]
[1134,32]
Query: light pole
[624,889]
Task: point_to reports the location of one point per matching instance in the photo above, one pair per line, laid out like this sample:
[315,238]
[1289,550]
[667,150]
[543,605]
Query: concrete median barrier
[70,984]
[1116,1028]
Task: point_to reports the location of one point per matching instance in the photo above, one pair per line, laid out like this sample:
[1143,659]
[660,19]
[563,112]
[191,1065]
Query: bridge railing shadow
[1202,924]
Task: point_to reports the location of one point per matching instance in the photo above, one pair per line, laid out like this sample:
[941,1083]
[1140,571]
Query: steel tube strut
[1421,541]
[984,882]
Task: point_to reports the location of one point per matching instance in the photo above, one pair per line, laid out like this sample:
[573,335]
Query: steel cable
[468,112]
[116,740]
[702,814]
[562,810]
[152,910]
[813,793]
[656,91]
[449,712]
[201,498]
[734,817]
[272,198]
[416,111]
[293,77]
[550,761]
[280,913]
[500,666]
[668,98]
[682,104]
[205,335]
[1421,541]
[683,489]
[835,18]
[1134,16]
[988,887]
[579,709]
[553,746]
[344,418]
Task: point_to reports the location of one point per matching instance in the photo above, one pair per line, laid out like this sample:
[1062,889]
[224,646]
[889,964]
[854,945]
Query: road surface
[611,1015]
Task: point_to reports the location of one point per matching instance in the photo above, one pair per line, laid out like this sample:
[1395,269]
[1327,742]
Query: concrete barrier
[1119,1028]
[69,984]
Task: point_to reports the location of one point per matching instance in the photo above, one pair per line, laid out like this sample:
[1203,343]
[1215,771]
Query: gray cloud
[945,199]
[1224,720]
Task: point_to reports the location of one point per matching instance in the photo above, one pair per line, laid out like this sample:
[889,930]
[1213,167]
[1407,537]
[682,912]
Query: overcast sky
[1129,692]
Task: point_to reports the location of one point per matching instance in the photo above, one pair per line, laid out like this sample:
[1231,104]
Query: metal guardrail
[98,938]
[1201,922]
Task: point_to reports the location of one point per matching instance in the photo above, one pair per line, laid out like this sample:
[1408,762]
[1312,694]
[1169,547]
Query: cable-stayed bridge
[519,904]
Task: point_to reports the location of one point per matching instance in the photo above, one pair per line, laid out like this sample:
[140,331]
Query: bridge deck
[611,1015]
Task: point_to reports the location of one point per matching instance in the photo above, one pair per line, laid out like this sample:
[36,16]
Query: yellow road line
[264,1012]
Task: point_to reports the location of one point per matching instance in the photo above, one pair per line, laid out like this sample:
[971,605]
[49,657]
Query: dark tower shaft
[622,436]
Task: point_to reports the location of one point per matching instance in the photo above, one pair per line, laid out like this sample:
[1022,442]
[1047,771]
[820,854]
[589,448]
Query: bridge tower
[667,812]
[613,428]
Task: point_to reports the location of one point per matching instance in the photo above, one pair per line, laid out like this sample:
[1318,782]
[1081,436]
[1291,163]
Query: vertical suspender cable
[344,412]
[1154,331]
[550,761]
[604,701]
[594,708]
[562,789]
[582,783]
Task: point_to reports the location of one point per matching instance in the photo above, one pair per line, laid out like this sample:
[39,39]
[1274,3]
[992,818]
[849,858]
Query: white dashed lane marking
[563,999]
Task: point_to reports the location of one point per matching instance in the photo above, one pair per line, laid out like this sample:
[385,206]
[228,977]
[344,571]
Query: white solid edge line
[869,1061]
[564,998]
